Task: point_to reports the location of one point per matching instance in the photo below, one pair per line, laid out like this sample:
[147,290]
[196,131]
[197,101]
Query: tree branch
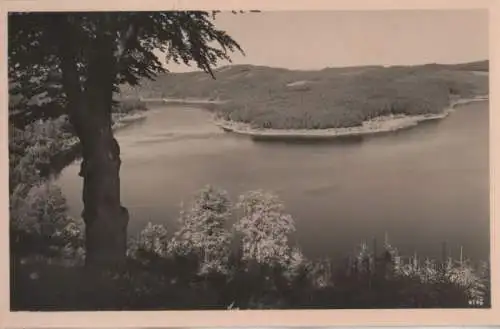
[69,68]
[124,42]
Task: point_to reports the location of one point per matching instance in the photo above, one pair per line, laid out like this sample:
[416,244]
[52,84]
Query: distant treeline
[479,66]
[23,111]
[333,97]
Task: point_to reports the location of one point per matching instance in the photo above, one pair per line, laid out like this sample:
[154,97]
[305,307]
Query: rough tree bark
[89,109]
[105,218]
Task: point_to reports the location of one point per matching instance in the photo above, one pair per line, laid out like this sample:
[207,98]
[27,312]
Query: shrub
[296,265]
[265,228]
[152,242]
[474,283]
[203,232]
[41,211]
[320,274]
[72,239]
[32,150]
[39,224]
[38,209]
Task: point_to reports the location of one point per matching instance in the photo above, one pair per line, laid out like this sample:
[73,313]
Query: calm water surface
[422,186]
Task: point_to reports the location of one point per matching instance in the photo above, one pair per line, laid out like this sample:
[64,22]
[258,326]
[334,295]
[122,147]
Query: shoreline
[182,101]
[72,149]
[382,124]
[121,121]
[124,120]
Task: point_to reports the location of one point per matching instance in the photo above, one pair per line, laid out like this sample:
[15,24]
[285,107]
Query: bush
[38,209]
[41,211]
[39,224]
[32,150]
[203,233]
[264,227]
[151,244]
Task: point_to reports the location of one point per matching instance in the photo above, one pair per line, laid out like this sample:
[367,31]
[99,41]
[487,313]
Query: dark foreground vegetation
[330,98]
[225,255]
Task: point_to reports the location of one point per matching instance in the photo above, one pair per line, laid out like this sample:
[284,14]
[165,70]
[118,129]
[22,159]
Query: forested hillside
[333,97]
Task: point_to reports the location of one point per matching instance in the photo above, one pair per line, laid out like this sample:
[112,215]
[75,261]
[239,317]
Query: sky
[308,40]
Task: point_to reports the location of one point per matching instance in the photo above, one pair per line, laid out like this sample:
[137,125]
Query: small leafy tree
[297,265]
[42,211]
[153,240]
[32,149]
[40,224]
[73,241]
[473,282]
[204,233]
[265,228]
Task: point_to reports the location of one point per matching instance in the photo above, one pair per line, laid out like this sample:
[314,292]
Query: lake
[422,186]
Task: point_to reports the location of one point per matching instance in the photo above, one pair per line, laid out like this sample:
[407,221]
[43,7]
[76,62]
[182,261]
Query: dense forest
[330,98]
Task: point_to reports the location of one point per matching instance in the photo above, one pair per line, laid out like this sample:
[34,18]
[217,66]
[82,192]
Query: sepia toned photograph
[249,160]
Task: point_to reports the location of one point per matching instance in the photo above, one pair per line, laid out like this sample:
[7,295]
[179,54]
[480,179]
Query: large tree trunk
[89,109]
[105,218]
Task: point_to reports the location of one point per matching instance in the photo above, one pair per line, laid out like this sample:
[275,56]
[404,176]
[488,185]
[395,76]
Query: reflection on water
[423,186]
[176,136]
[313,141]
